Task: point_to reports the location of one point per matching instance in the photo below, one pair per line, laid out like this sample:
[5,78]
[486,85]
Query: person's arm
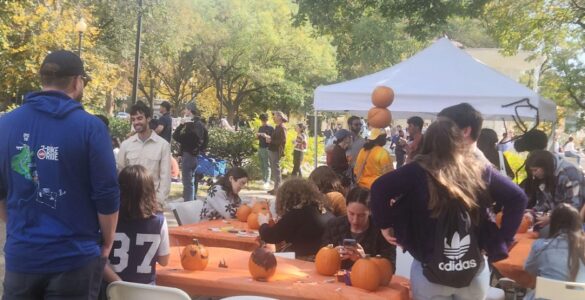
[217,199]
[159,128]
[164,249]
[3,210]
[329,236]
[385,249]
[110,275]
[385,163]
[512,200]
[104,191]
[282,230]
[568,188]
[164,188]
[121,157]
[390,186]
[178,134]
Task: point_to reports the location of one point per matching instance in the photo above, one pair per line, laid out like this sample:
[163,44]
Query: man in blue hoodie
[58,189]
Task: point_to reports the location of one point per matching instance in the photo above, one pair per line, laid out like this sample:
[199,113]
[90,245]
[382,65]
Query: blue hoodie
[57,172]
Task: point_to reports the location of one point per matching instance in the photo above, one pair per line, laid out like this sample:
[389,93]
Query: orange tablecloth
[294,279]
[513,266]
[183,235]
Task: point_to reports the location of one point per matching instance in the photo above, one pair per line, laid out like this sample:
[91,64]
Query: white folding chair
[558,290]
[121,290]
[188,212]
[403,263]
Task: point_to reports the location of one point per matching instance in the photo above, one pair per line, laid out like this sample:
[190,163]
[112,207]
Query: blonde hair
[453,172]
[297,193]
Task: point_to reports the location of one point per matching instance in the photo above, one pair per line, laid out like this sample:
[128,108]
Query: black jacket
[192,136]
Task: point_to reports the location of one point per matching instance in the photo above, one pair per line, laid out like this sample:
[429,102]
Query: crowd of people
[79,207]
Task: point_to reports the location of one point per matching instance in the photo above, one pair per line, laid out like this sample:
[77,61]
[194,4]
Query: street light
[80,27]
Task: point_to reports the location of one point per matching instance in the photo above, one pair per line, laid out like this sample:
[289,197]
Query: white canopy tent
[437,77]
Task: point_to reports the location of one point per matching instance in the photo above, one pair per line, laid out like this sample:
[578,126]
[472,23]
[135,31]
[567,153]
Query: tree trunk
[109,107]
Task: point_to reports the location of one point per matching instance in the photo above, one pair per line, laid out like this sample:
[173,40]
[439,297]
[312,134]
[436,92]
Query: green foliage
[119,128]
[236,148]
[516,162]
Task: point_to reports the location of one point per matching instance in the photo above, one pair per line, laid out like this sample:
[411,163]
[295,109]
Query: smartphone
[349,243]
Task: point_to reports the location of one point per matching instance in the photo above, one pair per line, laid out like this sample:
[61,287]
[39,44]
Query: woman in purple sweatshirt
[407,202]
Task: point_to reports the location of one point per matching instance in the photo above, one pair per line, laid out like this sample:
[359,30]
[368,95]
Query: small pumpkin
[327,261]
[194,257]
[386,269]
[379,117]
[262,264]
[365,274]
[243,212]
[253,220]
[382,96]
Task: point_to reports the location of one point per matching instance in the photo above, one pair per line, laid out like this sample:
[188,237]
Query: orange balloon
[382,96]
[379,117]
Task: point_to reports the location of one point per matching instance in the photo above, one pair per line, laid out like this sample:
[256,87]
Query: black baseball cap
[63,63]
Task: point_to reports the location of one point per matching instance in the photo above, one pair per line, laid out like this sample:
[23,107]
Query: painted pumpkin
[382,96]
[194,257]
[379,117]
[243,213]
[365,274]
[327,261]
[262,264]
[386,269]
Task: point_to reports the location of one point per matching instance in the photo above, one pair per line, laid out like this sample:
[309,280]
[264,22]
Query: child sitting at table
[561,255]
[142,236]
[223,200]
[303,218]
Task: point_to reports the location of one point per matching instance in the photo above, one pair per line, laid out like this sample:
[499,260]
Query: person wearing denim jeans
[277,142]
[264,132]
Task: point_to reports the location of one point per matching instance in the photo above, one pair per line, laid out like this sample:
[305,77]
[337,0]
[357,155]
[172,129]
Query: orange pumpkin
[382,96]
[379,117]
[386,269]
[365,274]
[260,206]
[525,224]
[194,257]
[262,264]
[243,212]
[327,261]
[253,221]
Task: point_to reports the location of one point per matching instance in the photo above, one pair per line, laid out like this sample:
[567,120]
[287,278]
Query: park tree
[250,48]
[372,35]
[554,30]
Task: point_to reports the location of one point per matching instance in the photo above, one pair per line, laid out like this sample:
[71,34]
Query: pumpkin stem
[196,242]
[330,246]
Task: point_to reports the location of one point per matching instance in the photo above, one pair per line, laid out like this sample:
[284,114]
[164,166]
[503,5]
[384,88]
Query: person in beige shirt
[148,149]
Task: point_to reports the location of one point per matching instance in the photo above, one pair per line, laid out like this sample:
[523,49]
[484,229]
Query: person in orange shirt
[373,160]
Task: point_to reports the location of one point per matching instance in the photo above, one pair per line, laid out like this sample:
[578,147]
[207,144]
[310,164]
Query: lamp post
[137,53]
[80,27]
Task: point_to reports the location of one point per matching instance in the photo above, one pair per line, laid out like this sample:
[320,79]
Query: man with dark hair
[415,125]
[467,118]
[58,188]
[148,149]
[264,132]
[165,122]
[470,121]
[354,124]
[192,137]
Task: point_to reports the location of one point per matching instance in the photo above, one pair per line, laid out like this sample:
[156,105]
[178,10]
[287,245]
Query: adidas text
[451,266]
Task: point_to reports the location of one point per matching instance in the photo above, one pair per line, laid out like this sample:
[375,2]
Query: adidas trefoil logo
[458,247]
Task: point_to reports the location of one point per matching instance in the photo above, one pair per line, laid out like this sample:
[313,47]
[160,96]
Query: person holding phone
[354,233]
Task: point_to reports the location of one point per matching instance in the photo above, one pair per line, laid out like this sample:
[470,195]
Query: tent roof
[437,77]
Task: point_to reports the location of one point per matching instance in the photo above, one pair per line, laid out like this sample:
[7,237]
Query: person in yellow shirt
[373,160]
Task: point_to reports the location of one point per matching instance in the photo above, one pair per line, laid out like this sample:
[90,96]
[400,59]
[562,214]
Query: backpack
[457,257]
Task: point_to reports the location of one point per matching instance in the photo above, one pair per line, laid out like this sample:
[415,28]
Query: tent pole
[316,140]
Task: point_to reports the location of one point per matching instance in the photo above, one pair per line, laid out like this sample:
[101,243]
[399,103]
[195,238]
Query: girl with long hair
[223,198]
[560,255]
[140,220]
[551,181]
[329,184]
[442,179]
